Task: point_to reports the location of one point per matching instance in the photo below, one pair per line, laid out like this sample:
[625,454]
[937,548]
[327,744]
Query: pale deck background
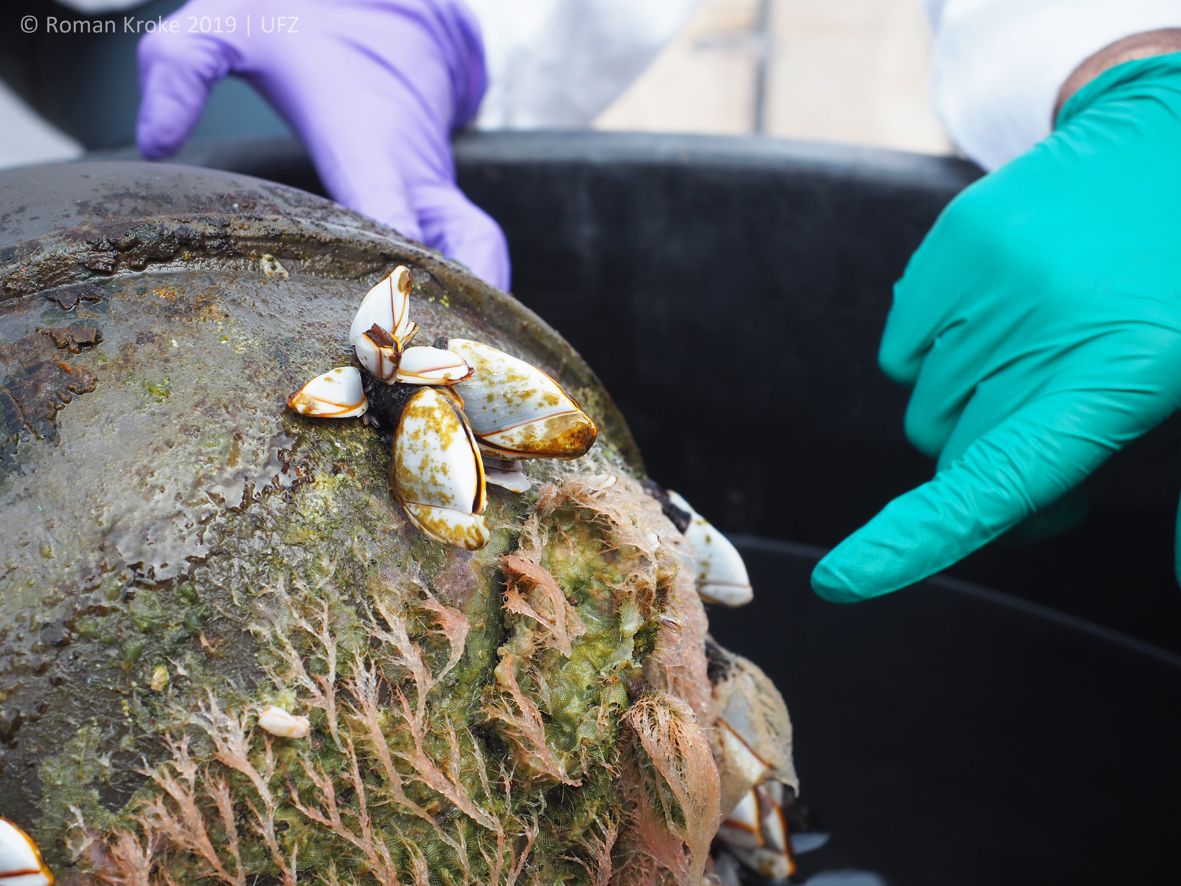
[834,70]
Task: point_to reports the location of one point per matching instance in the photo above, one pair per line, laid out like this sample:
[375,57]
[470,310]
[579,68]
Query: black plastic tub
[730,293]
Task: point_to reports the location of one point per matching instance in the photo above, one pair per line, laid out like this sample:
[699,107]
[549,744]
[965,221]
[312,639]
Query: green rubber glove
[1040,325]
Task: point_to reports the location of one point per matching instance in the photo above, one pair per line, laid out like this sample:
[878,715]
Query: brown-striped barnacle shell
[382,326]
[338,393]
[436,473]
[382,356]
[721,572]
[752,728]
[516,410]
[756,833]
[505,473]
[386,306]
[432,366]
[752,746]
[20,859]
[380,353]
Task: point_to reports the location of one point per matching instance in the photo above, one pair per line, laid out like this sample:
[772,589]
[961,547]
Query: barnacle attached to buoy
[756,833]
[276,721]
[721,572]
[338,393]
[436,473]
[20,859]
[499,404]
[387,306]
[518,411]
[752,744]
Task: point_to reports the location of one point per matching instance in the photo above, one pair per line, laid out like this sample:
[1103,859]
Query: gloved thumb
[1023,465]
[462,231]
[176,74]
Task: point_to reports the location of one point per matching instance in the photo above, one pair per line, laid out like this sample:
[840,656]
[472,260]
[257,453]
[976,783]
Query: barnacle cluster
[452,406]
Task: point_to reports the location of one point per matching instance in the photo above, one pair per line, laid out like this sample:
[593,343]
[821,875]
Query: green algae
[585,694]
[74,776]
[338,553]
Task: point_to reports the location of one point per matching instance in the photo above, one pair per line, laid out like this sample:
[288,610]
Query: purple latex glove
[373,88]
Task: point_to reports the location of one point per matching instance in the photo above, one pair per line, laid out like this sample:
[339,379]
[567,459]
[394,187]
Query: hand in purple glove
[374,88]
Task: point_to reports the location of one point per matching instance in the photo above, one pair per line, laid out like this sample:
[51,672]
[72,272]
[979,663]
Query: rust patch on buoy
[39,384]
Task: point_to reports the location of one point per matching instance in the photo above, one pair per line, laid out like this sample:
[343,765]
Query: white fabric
[998,64]
[561,62]
[27,138]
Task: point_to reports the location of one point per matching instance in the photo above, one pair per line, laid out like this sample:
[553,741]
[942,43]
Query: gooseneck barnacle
[449,406]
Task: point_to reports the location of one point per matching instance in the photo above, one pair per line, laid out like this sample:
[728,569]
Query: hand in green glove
[1040,325]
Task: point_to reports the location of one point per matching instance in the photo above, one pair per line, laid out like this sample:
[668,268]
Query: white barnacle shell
[752,736]
[380,353]
[756,832]
[338,393]
[741,826]
[721,572]
[518,411]
[506,473]
[432,366]
[514,481]
[386,306]
[436,473]
[20,859]
[278,722]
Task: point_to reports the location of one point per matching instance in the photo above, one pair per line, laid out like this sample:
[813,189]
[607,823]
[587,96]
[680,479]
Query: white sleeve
[998,65]
[561,62]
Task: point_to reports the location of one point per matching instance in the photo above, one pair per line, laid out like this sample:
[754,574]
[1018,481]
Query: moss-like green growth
[465,711]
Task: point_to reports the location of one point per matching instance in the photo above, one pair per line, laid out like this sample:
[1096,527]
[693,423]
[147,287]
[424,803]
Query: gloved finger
[401,176]
[943,387]
[176,74]
[1024,464]
[992,400]
[367,148]
[1054,519]
[462,231]
[926,299]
